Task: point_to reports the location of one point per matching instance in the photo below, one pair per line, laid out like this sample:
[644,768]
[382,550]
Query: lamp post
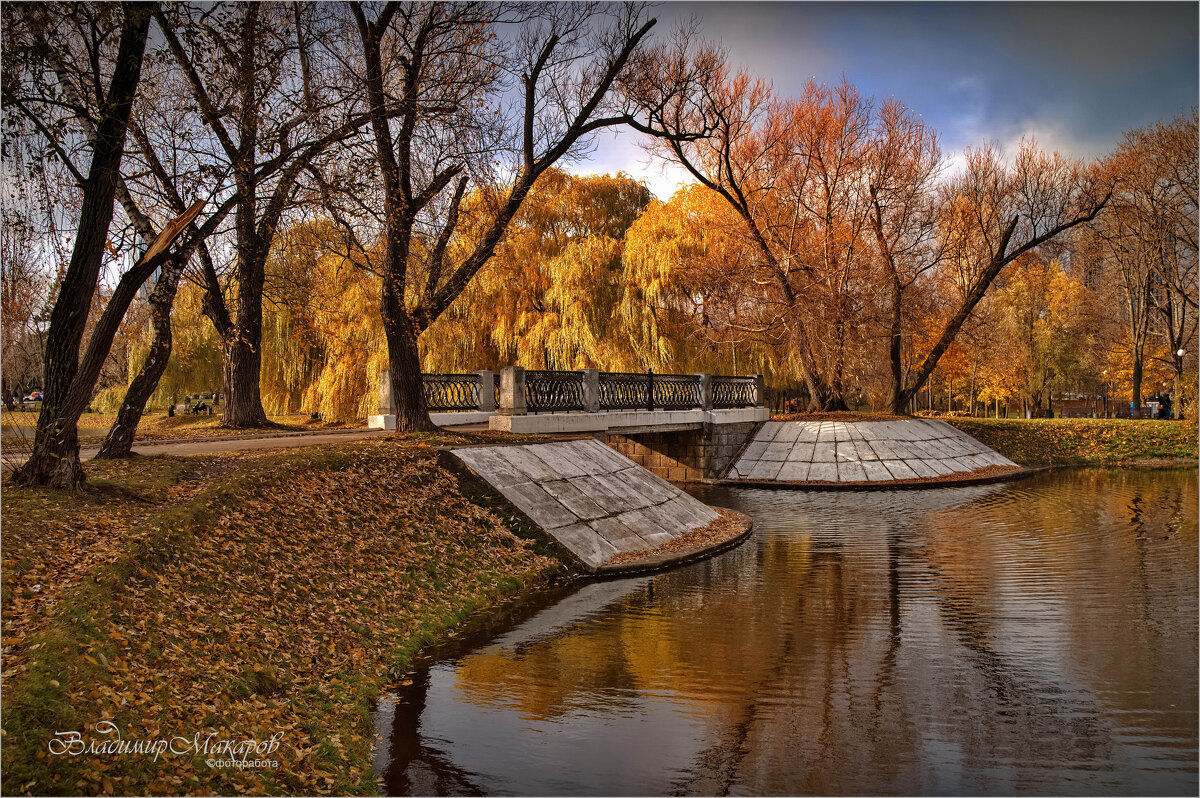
[1104,389]
[1175,397]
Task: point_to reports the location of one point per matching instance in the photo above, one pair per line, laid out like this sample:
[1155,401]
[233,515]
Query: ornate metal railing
[559,391]
[451,391]
[553,390]
[677,392]
[734,392]
[623,390]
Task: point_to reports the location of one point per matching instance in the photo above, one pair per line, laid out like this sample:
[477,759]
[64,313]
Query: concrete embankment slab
[863,452]
[594,501]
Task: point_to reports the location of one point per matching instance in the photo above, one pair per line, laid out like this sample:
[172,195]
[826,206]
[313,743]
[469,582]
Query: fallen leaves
[725,527]
[277,595]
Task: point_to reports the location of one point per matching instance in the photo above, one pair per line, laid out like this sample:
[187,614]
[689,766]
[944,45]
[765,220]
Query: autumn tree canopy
[398,187]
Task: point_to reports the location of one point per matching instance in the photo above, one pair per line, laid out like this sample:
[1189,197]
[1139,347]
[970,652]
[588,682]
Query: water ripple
[1034,637]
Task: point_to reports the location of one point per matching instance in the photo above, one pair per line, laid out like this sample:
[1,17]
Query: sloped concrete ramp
[862,451]
[594,501]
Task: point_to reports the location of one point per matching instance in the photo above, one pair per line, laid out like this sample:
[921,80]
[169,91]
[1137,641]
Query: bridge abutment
[692,455]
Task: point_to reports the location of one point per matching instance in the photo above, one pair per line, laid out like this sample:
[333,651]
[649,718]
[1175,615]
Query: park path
[215,445]
[234,443]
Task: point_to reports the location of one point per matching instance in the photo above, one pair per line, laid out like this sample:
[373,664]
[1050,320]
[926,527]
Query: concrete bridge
[684,427]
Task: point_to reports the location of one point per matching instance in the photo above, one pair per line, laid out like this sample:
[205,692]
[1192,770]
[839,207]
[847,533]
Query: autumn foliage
[242,596]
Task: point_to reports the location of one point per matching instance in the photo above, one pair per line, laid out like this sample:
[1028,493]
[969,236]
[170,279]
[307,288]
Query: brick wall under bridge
[684,455]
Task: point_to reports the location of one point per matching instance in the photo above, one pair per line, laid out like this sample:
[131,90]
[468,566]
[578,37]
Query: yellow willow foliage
[690,300]
[549,297]
[195,365]
[323,342]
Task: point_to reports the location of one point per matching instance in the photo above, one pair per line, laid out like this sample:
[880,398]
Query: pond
[1031,637]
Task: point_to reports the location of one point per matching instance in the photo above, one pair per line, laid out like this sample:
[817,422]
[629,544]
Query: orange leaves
[274,596]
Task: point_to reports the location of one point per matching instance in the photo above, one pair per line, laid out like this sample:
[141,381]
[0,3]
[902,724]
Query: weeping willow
[687,305]
[195,364]
[594,273]
[550,297]
[323,344]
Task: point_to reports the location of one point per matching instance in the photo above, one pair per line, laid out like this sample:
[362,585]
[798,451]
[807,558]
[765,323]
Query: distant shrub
[109,400]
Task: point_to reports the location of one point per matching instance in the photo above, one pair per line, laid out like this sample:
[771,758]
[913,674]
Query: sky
[1074,75]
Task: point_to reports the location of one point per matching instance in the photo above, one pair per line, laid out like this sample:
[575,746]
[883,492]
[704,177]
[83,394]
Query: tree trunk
[243,343]
[835,400]
[974,371]
[1176,392]
[54,461]
[1136,410]
[119,441]
[243,398]
[404,365]
[897,397]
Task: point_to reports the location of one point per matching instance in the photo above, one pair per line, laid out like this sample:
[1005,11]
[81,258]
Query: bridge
[681,426]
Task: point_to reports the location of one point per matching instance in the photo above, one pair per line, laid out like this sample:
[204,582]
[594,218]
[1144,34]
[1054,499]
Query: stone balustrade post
[760,390]
[512,391]
[706,391]
[591,390]
[487,391]
[387,403]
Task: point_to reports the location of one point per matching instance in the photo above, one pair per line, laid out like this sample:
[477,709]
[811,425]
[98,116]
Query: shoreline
[161,536]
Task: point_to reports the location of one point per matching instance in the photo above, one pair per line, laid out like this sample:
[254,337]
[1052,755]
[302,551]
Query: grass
[1084,441]
[238,596]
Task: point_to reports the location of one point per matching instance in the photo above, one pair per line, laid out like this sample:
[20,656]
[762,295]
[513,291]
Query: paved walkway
[228,443]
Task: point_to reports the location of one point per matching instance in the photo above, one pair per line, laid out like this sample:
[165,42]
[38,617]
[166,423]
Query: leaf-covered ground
[238,596]
[18,425]
[1083,441]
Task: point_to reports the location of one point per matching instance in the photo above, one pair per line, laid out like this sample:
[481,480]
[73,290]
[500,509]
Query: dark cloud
[1075,74]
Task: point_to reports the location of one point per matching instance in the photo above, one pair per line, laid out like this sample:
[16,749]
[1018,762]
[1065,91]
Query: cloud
[1074,75]
[620,150]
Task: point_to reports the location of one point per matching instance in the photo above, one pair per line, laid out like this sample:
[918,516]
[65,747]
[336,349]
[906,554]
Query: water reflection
[1033,637]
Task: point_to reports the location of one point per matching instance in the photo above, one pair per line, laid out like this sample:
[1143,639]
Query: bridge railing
[451,391]
[728,392]
[619,390]
[520,391]
[553,391]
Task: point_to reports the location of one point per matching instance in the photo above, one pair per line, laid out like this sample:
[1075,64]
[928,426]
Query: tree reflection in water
[1031,637]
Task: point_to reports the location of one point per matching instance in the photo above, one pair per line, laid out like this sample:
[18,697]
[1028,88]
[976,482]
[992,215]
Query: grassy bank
[1084,441]
[238,596]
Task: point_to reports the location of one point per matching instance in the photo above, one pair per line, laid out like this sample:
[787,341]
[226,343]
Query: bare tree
[1170,152]
[814,178]
[992,215]
[748,141]
[1148,239]
[903,167]
[68,379]
[462,121]
[270,113]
